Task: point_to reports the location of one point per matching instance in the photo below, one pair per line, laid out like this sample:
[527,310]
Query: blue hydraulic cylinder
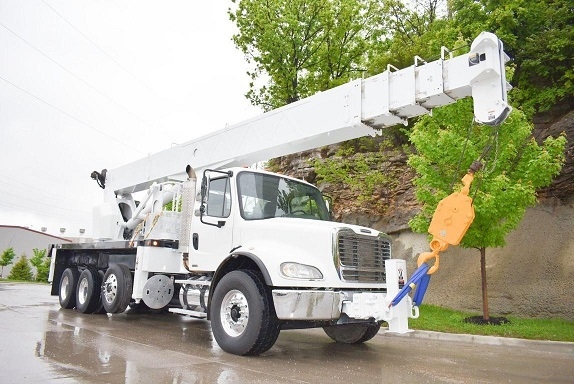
[419,277]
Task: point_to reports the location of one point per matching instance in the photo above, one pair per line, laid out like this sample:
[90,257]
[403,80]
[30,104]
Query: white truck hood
[309,242]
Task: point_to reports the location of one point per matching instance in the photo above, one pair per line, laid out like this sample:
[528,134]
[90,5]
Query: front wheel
[352,333]
[243,317]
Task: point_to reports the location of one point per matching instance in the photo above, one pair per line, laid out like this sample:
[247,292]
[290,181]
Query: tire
[352,333]
[88,291]
[117,288]
[67,291]
[243,318]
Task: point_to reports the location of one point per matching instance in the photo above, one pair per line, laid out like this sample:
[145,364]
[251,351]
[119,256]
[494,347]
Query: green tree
[412,28]
[42,264]
[43,271]
[300,47]
[539,38]
[6,259]
[21,270]
[516,167]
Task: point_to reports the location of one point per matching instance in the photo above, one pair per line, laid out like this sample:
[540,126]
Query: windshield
[266,196]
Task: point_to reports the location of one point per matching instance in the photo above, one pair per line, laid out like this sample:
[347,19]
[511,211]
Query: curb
[558,346]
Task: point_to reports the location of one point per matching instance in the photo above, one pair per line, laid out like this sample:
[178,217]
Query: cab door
[212,234]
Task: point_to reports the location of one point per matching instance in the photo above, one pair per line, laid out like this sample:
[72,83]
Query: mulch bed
[491,321]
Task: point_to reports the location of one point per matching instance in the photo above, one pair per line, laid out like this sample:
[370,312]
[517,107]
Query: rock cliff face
[553,123]
[528,277]
[392,204]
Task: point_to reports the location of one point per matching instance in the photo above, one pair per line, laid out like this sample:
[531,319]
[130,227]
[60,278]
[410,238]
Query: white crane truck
[252,251]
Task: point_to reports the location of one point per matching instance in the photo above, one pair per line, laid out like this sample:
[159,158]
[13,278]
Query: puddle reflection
[94,354]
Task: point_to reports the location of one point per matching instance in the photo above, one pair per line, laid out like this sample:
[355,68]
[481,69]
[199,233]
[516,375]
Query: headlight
[300,271]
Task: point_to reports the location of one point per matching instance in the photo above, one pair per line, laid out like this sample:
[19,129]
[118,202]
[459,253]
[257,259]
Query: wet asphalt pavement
[41,343]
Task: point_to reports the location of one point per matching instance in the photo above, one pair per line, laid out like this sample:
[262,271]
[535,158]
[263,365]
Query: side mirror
[329,204]
[203,196]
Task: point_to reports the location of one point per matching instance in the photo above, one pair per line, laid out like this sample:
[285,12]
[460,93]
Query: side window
[219,198]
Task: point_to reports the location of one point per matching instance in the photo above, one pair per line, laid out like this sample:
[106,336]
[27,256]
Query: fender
[235,261]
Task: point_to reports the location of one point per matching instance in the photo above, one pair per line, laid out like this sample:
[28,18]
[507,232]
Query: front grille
[361,258]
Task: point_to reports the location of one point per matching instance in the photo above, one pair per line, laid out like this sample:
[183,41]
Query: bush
[21,271]
[42,265]
[43,271]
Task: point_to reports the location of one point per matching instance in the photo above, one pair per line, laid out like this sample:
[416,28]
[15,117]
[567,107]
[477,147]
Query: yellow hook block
[452,218]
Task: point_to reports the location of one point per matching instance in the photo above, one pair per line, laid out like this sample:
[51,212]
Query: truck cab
[314,272]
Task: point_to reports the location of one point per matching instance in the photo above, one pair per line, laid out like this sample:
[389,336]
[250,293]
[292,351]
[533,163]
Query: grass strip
[435,318]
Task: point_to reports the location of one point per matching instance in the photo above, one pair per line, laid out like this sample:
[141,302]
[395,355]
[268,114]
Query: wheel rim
[64,287]
[111,288]
[234,313]
[83,291]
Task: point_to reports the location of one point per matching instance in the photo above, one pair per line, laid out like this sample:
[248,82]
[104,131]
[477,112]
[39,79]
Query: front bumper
[307,305]
[330,305]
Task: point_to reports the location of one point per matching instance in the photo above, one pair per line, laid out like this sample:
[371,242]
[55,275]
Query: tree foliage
[38,257]
[300,47]
[539,38]
[413,28]
[21,270]
[42,264]
[6,259]
[516,167]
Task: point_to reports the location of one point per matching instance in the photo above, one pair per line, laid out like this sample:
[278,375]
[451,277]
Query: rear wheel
[117,288]
[88,291]
[68,283]
[352,333]
[243,317]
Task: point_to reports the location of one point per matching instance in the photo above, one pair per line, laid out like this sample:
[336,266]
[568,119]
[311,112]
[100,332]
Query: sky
[93,84]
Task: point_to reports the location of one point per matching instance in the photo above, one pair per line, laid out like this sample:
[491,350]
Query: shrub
[22,270]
